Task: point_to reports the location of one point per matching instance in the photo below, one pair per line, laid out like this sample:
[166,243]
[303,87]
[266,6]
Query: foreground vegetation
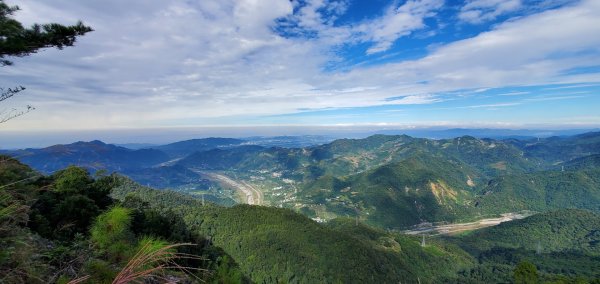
[66,227]
[71,226]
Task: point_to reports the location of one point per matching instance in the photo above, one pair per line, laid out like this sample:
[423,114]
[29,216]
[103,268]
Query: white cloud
[398,22]
[532,50]
[478,11]
[514,94]
[156,63]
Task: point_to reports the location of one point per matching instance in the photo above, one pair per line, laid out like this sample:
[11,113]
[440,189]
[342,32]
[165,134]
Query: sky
[154,64]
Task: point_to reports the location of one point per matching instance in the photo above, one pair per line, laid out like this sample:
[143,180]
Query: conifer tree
[18,41]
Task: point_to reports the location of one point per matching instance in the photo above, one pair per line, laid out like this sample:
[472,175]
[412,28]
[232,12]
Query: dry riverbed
[449,229]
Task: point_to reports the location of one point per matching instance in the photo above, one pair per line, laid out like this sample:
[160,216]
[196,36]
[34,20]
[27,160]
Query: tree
[525,273]
[18,41]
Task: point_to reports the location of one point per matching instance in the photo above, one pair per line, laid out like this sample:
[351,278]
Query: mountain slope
[387,181]
[418,189]
[563,245]
[398,181]
[187,147]
[542,191]
[278,245]
[556,150]
[94,155]
[555,231]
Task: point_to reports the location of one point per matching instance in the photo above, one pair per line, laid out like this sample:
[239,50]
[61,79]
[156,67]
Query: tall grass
[152,260]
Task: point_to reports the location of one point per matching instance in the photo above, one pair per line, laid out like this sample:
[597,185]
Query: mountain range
[335,212]
[389,181]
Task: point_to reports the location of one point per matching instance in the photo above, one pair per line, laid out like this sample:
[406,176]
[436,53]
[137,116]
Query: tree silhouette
[18,41]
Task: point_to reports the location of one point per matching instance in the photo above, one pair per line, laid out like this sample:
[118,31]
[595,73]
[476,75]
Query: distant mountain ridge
[187,147]
[264,244]
[492,133]
[94,155]
[390,181]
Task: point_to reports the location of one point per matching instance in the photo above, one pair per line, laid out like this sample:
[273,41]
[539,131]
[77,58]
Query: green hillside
[277,245]
[556,150]
[76,230]
[564,245]
[542,191]
[418,189]
[400,181]
[555,231]
[586,162]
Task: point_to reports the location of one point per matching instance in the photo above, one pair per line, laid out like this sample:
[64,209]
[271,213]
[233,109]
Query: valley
[457,228]
[302,215]
[388,181]
[250,195]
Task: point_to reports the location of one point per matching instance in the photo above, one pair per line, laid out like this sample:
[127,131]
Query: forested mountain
[556,150]
[386,181]
[76,230]
[418,189]
[94,155]
[276,245]
[542,191]
[585,162]
[556,231]
[560,244]
[187,147]
[220,158]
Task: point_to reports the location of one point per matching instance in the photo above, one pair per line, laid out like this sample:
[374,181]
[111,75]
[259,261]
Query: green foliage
[63,208]
[16,180]
[71,204]
[542,191]
[111,233]
[417,189]
[525,273]
[72,180]
[100,271]
[227,272]
[20,258]
[562,245]
[277,245]
[20,261]
[562,230]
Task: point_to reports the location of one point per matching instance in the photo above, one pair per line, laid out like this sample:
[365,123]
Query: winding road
[253,195]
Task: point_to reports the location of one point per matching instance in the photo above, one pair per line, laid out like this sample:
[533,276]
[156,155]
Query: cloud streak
[155,63]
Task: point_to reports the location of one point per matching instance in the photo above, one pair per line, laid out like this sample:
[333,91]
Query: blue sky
[161,64]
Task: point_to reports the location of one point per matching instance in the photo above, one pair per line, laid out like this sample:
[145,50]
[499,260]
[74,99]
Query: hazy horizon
[40,139]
